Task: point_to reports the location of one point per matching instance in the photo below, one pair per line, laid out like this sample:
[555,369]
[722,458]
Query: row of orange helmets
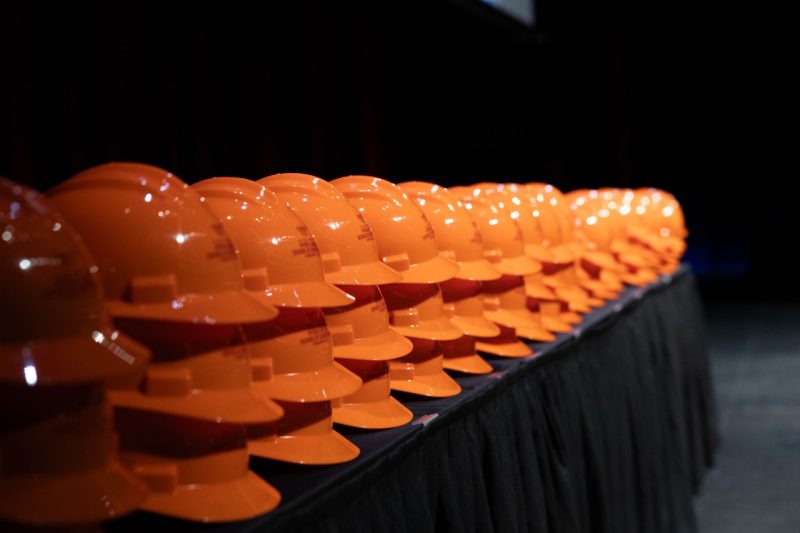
[235,317]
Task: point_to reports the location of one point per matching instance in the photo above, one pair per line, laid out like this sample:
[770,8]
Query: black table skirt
[608,430]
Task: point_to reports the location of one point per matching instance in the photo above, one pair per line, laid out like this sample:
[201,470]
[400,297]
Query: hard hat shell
[405,238]
[456,232]
[160,252]
[417,310]
[503,244]
[345,241]
[463,306]
[195,469]
[59,453]
[505,344]
[292,359]
[361,330]
[542,234]
[506,304]
[422,372]
[460,355]
[305,435]
[198,371]
[372,406]
[53,324]
[551,315]
[279,255]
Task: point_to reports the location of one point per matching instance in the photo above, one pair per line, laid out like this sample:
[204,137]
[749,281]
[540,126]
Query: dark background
[689,97]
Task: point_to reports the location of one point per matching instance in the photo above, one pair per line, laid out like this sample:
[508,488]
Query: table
[606,429]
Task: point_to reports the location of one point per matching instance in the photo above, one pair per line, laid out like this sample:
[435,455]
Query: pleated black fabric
[607,431]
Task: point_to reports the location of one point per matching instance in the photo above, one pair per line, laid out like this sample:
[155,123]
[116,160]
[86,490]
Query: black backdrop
[679,94]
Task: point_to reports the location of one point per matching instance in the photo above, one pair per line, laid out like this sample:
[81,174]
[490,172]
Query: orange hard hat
[562,217]
[558,261]
[538,289]
[659,226]
[59,458]
[611,279]
[556,221]
[372,406]
[505,344]
[417,310]
[279,256]
[662,214]
[292,358]
[502,239]
[535,287]
[463,306]
[422,371]
[599,271]
[599,226]
[538,223]
[361,330]
[198,371]
[346,244]
[53,326]
[195,469]
[406,240]
[456,232]
[563,280]
[552,315]
[505,303]
[304,435]
[161,253]
[596,287]
[460,355]
[622,218]
[363,342]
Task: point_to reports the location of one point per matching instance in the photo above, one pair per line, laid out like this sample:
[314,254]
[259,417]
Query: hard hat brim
[383,414]
[232,406]
[320,449]
[599,289]
[372,273]
[505,349]
[576,302]
[477,326]
[595,302]
[518,266]
[601,260]
[539,291]
[227,307]
[555,325]
[523,321]
[612,280]
[433,270]
[96,355]
[479,270]
[73,498]
[382,347]
[438,329]
[570,317]
[438,385]
[307,294]
[632,259]
[226,501]
[557,255]
[468,364]
[317,385]
[639,278]
[535,333]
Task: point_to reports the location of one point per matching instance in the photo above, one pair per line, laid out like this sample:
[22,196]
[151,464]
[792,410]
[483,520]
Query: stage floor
[755,485]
